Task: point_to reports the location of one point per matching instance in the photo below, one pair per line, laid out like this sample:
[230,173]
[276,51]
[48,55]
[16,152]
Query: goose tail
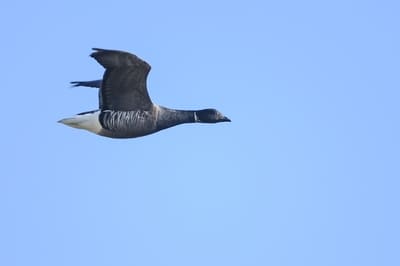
[87,120]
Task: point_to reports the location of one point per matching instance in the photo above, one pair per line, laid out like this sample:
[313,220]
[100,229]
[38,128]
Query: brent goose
[125,108]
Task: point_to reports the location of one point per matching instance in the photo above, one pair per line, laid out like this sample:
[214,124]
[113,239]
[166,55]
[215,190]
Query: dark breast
[127,124]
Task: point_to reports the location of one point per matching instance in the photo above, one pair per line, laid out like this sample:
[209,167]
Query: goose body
[125,108]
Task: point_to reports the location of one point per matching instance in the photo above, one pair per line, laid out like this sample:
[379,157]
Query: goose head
[210,116]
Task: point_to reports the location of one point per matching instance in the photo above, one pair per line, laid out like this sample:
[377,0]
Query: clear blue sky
[306,174]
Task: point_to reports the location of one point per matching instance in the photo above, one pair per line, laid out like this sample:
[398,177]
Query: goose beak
[225,119]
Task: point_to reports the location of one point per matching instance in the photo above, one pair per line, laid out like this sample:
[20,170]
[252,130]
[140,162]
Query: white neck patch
[196,119]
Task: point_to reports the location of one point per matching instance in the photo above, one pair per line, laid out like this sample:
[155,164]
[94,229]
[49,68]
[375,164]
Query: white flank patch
[88,122]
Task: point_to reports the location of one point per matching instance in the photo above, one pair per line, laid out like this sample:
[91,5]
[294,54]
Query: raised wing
[124,81]
[92,83]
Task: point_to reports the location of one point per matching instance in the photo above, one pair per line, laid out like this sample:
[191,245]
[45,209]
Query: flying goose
[125,108]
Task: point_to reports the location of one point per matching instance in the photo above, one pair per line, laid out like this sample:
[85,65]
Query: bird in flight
[125,108]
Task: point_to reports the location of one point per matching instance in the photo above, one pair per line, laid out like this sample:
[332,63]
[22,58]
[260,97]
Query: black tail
[92,83]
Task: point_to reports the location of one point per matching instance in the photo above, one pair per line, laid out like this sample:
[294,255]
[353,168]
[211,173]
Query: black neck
[171,117]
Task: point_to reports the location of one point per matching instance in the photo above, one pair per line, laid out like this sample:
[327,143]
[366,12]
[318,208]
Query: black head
[210,116]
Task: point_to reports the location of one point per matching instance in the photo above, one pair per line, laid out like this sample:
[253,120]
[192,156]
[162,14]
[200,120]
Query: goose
[125,108]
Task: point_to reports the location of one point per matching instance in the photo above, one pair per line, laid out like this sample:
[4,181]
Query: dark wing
[124,81]
[92,83]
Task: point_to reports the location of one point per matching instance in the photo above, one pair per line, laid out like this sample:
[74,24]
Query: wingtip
[96,51]
[74,83]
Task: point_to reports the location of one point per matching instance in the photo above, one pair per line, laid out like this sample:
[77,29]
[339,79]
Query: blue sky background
[306,174]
